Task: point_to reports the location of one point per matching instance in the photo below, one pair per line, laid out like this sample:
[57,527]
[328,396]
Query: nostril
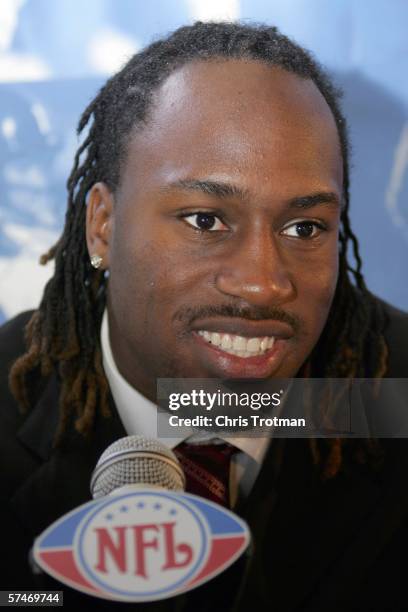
[257,288]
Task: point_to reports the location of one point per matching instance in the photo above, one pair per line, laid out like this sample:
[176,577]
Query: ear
[99,222]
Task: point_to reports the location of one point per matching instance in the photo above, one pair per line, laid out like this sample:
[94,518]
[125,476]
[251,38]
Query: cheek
[148,277]
[134,275]
[318,288]
[314,274]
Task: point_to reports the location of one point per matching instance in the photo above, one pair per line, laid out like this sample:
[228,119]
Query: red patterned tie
[207,467]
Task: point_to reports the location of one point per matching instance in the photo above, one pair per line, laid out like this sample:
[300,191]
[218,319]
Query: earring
[96,261]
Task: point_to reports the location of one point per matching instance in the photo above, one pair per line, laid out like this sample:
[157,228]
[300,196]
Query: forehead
[236,119]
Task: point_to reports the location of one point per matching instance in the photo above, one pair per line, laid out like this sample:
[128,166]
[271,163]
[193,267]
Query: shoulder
[12,344]
[13,329]
[12,333]
[396,337]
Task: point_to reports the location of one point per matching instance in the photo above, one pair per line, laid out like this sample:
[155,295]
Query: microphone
[142,538]
[136,461]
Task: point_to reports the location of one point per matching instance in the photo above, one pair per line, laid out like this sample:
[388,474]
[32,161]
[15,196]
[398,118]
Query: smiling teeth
[238,345]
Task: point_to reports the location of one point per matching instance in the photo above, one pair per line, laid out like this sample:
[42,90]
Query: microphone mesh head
[136,460]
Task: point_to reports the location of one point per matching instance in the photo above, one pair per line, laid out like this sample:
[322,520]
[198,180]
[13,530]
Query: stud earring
[96,261]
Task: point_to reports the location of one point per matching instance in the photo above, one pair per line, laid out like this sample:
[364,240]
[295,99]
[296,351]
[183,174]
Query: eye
[205,222]
[304,229]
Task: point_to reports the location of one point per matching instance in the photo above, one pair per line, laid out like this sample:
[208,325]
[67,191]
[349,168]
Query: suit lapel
[62,479]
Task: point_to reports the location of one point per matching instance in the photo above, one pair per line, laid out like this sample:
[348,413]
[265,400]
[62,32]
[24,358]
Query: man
[208,218]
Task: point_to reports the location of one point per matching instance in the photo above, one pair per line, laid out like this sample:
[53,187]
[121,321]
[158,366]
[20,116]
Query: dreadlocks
[63,334]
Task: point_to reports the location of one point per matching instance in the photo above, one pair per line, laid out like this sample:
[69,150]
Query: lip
[225,365]
[245,328]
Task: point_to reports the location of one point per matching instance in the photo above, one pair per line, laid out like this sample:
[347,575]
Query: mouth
[244,349]
[238,345]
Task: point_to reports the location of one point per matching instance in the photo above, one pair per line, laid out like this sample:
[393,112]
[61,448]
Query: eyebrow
[221,189]
[322,197]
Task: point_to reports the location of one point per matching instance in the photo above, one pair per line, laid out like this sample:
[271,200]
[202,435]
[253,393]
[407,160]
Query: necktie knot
[207,468]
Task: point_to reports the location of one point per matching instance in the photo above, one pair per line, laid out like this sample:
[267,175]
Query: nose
[255,271]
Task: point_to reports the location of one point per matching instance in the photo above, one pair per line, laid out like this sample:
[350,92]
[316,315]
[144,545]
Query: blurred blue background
[55,55]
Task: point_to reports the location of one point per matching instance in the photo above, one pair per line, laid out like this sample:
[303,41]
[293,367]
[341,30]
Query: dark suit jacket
[336,545]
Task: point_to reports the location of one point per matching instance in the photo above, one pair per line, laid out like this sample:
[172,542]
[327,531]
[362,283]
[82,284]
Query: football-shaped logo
[142,545]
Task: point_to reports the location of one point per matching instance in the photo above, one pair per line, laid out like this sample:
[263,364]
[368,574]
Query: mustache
[190,314]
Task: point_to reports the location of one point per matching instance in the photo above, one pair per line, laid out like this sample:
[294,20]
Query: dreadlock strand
[49,255]
[102,385]
[334,459]
[85,422]
[315,452]
[21,367]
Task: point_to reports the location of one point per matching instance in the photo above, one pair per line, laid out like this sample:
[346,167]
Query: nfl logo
[142,545]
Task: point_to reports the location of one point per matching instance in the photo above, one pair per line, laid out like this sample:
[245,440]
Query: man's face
[223,236]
